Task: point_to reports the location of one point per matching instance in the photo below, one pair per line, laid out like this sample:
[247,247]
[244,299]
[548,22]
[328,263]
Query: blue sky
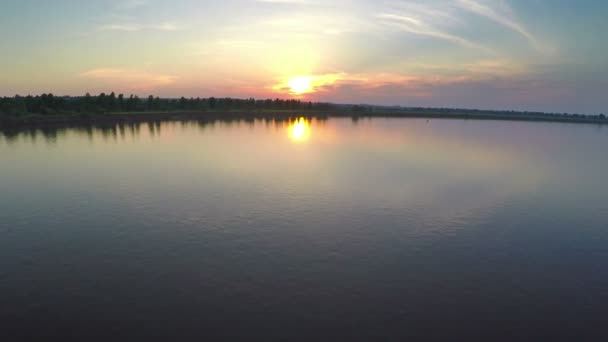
[496,54]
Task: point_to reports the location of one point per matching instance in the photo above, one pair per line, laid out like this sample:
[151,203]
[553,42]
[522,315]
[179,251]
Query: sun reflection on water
[299,130]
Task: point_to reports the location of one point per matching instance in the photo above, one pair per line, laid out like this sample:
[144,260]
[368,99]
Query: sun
[300,85]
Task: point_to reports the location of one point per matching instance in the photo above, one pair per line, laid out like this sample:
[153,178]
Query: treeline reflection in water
[134,129]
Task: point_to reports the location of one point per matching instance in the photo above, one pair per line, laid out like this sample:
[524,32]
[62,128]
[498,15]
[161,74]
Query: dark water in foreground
[386,229]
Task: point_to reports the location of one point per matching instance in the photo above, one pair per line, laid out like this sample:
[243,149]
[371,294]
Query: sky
[540,55]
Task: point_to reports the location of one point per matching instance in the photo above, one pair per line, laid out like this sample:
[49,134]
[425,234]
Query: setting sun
[300,85]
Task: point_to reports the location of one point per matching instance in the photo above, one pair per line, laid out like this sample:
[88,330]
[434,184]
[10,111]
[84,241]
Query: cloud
[484,88]
[127,22]
[437,12]
[130,78]
[495,68]
[419,27]
[382,86]
[317,82]
[165,27]
[502,15]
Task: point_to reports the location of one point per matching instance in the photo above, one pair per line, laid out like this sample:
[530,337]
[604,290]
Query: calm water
[382,229]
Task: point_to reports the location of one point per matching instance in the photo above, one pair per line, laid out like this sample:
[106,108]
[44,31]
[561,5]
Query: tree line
[368,110]
[48,104]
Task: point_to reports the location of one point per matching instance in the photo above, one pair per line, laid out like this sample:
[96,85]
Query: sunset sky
[548,55]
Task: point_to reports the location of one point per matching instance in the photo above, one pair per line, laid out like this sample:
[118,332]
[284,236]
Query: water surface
[382,229]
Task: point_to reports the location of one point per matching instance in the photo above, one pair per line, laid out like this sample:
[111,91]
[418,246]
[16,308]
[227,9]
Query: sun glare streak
[299,130]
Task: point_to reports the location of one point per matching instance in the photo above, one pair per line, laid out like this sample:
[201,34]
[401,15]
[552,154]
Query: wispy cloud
[495,68]
[437,12]
[420,27]
[501,13]
[123,18]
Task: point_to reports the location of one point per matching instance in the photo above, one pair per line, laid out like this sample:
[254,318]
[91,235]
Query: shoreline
[110,118]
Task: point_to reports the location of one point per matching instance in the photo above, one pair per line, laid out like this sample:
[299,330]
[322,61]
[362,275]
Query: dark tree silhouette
[50,104]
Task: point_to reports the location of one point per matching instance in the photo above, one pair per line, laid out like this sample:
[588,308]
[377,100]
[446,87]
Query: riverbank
[108,118]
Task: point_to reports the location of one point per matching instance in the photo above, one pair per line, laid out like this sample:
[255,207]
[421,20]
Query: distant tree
[46,104]
[130,103]
[183,103]
[602,117]
[137,105]
[112,103]
[87,104]
[100,105]
[19,106]
[4,105]
[150,103]
[212,103]
[359,109]
[121,102]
